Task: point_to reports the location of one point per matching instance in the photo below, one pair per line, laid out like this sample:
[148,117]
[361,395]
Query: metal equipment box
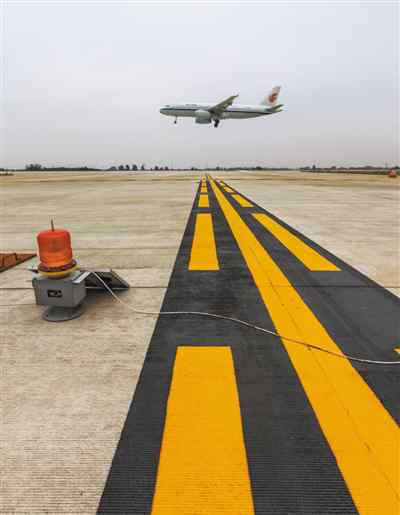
[64,296]
[66,292]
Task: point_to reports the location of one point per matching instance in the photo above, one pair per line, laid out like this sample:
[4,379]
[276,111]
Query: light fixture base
[62,314]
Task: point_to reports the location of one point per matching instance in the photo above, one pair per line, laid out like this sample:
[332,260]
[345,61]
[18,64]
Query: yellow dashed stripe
[203,464]
[307,255]
[203,200]
[242,201]
[204,253]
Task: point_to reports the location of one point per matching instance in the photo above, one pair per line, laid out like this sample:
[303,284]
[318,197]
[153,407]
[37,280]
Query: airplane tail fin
[272,98]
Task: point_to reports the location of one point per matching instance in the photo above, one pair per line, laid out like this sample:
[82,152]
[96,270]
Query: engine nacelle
[202,116]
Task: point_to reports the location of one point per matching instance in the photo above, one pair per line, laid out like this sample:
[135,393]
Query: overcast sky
[83,82]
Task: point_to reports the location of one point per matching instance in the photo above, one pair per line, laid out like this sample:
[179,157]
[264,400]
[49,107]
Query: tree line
[142,167]
[134,168]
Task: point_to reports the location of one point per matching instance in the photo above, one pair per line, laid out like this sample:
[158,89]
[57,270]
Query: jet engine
[202,116]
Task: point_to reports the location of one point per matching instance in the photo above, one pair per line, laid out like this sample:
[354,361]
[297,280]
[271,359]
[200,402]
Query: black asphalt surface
[292,468]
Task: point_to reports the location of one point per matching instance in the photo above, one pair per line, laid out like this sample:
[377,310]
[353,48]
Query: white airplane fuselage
[238,111]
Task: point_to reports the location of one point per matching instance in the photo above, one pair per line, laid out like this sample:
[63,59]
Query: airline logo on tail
[272,97]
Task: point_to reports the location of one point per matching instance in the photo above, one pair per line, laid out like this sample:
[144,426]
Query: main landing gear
[216,123]
[176,119]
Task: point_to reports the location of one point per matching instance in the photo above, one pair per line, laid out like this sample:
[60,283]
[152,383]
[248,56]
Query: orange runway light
[55,252]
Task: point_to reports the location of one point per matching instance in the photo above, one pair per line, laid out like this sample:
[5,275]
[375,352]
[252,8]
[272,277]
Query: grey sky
[83,82]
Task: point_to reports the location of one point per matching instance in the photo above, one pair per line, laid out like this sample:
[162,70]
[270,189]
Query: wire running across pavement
[246,324]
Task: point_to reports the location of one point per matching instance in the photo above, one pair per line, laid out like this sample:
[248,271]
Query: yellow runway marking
[203,201]
[242,201]
[203,189]
[361,433]
[307,255]
[229,190]
[204,253]
[203,464]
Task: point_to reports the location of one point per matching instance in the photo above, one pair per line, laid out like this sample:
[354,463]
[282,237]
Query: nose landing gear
[216,123]
[176,119]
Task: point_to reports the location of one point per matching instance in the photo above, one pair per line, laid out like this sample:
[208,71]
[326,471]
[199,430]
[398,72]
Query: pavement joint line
[364,443]
[294,285]
[157,247]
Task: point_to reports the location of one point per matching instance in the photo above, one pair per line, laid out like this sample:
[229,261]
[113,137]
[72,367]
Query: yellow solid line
[203,200]
[204,253]
[203,189]
[307,255]
[203,464]
[361,433]
[242,201]
[228,189]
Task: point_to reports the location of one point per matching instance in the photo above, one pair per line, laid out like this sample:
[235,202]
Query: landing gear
[176,119]
[216,123]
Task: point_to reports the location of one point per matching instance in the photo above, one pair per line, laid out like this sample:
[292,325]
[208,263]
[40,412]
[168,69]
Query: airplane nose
[162,110]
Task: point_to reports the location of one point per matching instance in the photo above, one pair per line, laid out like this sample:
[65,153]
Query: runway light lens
[55,249]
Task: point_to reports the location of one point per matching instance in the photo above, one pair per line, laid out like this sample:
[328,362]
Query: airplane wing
[220,108]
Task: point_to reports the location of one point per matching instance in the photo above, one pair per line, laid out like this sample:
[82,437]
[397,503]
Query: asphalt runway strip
[225,420]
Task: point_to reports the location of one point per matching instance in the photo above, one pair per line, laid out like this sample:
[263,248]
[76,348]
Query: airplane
[207,113]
